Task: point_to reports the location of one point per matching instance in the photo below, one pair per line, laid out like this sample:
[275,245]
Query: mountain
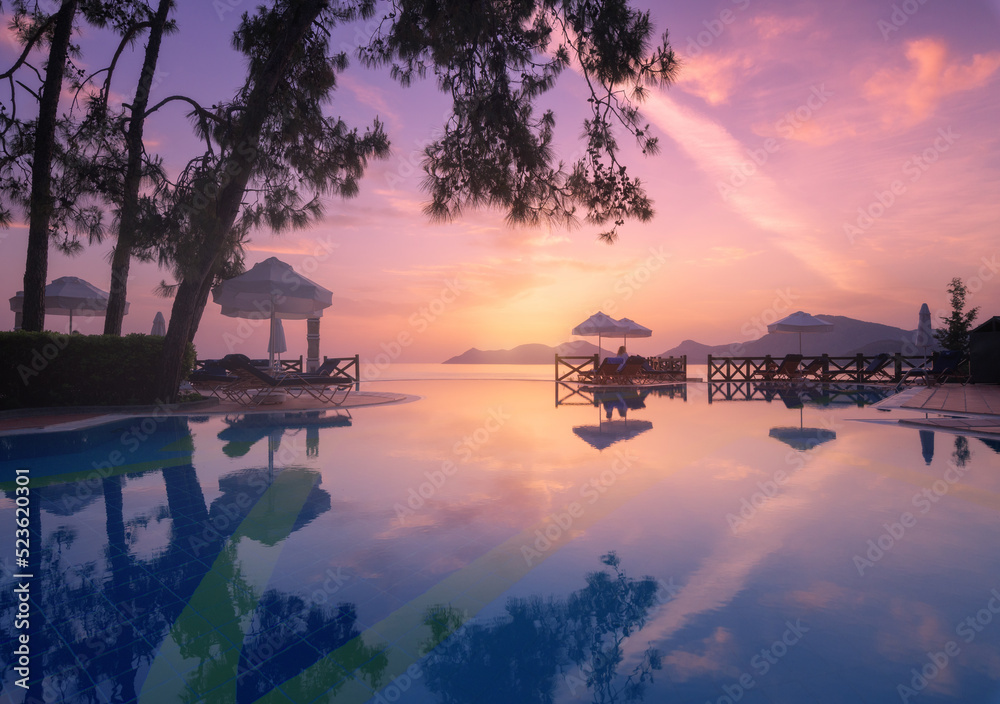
[849,337]
[524,354]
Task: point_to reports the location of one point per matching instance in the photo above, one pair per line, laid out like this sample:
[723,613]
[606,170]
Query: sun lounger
[211,378]
[788,369]
[253,384]
[633,371]
[330,369]
[602,374]
[946,365]
[877,369]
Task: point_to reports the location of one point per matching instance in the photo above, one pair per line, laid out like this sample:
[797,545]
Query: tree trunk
[203,294]
[122,257]
[40,201]
[182,321]
[192,292]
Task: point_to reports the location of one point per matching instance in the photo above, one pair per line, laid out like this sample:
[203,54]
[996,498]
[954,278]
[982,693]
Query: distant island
[849,337]
[525,354]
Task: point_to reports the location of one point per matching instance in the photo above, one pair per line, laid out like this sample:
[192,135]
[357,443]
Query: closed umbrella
[924,337]
[272,290]
[69,295]
[599,324]
[276,344]
[159,325]
[800,322]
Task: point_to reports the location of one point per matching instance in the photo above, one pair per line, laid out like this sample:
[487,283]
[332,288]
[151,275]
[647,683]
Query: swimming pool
[508,541]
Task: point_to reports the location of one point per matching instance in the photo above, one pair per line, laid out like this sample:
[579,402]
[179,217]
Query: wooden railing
[286,365]
[575,365]
[815,368]
[575,395]
[794,395]
[675,365]
[669,369]
[344,367]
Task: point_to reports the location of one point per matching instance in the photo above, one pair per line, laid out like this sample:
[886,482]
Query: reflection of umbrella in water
[609,432]
[286,502]
[800,322]
[289,499]
[802,438]
[243,431]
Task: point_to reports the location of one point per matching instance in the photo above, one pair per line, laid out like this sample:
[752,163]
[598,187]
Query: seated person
[619,358]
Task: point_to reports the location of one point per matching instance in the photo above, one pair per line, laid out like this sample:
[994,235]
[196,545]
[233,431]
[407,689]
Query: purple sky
[835,157]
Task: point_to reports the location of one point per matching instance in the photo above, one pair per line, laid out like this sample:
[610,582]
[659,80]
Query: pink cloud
[372,97]
[910,94]
[714,77]
[771,26]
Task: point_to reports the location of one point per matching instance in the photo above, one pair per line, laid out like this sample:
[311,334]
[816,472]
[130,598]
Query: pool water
[508,541]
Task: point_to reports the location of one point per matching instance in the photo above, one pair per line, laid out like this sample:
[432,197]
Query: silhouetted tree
[57,29]
[273,142]
[955,336]
[495,60]
[43,168]
[130,206]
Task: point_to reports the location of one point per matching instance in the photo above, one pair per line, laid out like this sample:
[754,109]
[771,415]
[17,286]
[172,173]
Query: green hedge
[45,369]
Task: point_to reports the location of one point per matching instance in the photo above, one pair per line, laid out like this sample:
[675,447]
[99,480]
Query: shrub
[43,369]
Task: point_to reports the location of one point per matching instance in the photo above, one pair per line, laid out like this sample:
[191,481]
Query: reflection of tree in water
[274,650]
[104,623]
[517,657]
[962,454]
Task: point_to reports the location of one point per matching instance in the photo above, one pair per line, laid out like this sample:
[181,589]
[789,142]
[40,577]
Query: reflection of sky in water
[404,522]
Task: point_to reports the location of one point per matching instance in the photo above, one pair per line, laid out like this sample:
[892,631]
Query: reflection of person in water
[611,404]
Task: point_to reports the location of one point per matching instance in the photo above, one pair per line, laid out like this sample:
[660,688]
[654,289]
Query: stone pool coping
[35,420]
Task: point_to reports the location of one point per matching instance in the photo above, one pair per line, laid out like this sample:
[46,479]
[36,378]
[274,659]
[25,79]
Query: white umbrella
[599,324]
[925,333]
[69,295]
[276,343]
[159,325]
[633,329]
[800,322]
[272,289]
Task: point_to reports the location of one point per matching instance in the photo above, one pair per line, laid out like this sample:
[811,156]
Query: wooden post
[709,367]
[898,370]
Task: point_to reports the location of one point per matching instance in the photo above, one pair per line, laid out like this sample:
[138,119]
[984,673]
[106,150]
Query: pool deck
[973,409]
[54,419]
